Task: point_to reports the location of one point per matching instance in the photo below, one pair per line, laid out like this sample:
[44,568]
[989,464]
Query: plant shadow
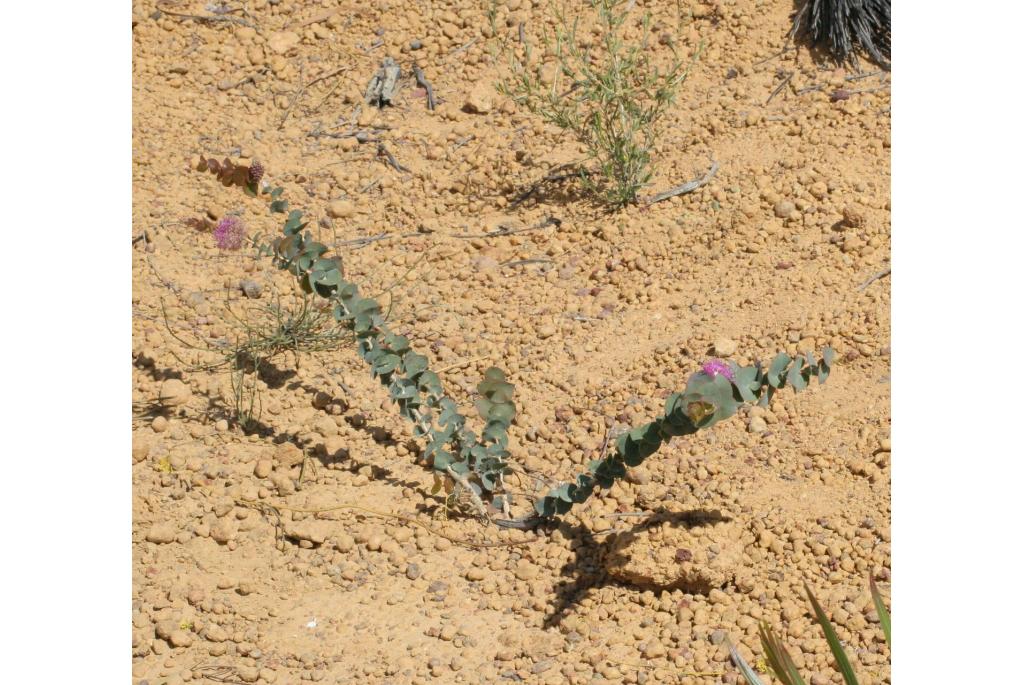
[586,571]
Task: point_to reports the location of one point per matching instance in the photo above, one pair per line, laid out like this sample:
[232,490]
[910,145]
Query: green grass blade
[883,613]
[778,658]
[744,667]
[833,640]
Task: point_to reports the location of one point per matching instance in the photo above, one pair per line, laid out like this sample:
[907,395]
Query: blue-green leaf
[795,377]
[386,363]
[776,370]
[414,364]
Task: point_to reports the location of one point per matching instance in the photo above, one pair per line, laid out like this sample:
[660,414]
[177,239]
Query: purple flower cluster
[716,367]
[229,233]
[255,172]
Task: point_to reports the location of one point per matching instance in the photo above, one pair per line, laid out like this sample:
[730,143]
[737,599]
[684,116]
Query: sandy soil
[610,313]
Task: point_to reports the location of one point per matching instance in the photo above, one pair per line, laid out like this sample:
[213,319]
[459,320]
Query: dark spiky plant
[841,26]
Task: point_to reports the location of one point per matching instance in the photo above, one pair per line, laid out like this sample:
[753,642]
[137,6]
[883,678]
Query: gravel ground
[595,318]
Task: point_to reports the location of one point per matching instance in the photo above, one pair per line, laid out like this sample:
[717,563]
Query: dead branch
[421,80]
[778,88]
[208,18]
[687,187]
[384,152]
[881,274]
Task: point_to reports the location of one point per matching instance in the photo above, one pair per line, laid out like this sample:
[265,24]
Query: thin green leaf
[883,613]
[779,659]
[833,640]
[744,667]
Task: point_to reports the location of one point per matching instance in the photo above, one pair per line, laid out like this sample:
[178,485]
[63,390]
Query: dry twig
[881,274]
[208,18]
[421,79]
[303,89]
[778,88]
[687,187]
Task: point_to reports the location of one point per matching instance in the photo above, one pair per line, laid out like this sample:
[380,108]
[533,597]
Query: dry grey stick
[209,18]
[778,88]
[777,54]
[421,79]
[688,187]
[881,274]
[381,150]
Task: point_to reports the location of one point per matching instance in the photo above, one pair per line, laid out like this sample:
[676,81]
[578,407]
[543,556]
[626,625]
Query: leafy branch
[453,449]
[711,395]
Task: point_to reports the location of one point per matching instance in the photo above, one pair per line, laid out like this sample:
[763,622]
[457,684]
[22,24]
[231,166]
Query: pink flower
[229,233]
[716,367]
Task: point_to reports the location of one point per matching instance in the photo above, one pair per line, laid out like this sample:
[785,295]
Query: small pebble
[162,533]
[725,347]
[340,209]
[174,393]
[263,468]
[784,209]
[251,289]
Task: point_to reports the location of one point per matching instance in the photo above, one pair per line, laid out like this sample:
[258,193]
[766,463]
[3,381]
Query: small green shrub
[781,663]
[611,98]
[256,337]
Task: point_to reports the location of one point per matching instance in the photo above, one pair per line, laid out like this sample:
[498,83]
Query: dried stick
[303,89]
[881,274]
[210,18]
[383,151]
[778,88]
[421,79]
[685,188]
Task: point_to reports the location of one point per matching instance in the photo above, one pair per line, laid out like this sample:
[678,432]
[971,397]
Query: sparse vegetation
[479,463]
[712,394]
[781,663]
[260,334]
[610,96]
[289,526]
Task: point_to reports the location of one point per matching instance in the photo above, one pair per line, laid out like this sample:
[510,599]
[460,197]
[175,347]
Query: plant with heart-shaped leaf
[711,395]
[478,463]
